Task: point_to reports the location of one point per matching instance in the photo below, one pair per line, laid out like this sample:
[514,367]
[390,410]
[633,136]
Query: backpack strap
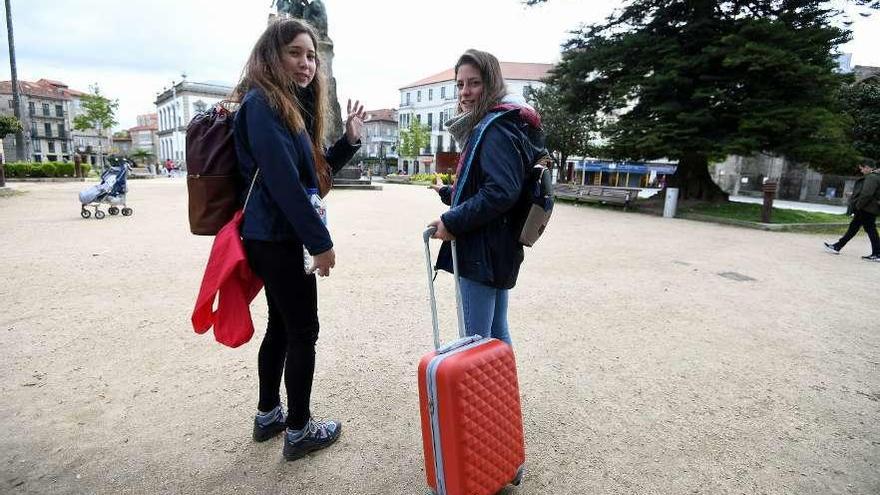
[477,133]
[251,189]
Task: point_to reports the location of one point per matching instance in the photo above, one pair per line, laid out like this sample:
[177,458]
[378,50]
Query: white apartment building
[144,136]
[379,140]
[176,106]
[432,101]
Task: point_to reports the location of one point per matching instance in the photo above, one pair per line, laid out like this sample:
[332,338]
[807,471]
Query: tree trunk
[693,180]
[563,167]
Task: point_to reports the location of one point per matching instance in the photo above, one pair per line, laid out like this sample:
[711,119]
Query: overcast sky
[135,48]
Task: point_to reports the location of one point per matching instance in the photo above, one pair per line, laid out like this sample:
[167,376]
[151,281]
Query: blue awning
[625,167]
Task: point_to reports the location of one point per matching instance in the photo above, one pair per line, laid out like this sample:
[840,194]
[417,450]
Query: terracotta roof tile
[44,88]
[387,114]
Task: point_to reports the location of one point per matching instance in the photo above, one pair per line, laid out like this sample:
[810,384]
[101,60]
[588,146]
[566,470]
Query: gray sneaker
[316,435]
[831,248]
[872,257]
[270,424]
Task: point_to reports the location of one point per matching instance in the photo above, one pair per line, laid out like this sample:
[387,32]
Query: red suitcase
[472,431]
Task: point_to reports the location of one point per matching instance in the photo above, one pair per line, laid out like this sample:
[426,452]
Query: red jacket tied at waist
[229,279]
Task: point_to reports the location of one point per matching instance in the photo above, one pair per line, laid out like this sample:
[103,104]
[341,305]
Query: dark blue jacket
[487,246]
[279,208]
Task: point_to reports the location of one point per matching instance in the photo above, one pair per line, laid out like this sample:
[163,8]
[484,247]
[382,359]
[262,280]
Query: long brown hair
[493,81]
[265,70]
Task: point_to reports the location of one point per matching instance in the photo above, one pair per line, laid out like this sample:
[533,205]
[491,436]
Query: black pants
[869,223]
[289,344]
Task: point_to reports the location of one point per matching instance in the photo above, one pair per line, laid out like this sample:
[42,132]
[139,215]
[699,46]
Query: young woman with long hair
[279,135]
[479,218]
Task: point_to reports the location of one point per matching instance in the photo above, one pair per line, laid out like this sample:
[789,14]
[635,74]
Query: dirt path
[643,370]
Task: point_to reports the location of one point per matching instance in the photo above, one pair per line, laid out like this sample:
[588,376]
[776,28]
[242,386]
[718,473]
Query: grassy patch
[752,213]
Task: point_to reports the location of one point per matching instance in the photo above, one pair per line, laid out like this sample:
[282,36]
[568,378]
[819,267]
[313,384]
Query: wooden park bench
[624,196]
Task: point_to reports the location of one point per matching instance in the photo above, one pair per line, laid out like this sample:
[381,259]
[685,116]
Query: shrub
[64,170]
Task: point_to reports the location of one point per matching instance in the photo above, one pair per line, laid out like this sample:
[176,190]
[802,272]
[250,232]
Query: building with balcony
[47,113]
[145,135]
[176,106]
[432,101]
[379,141]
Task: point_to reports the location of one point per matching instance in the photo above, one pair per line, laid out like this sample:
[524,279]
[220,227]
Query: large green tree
[861,100]
[8,125]
[98,113]
[696,80]
[567,132]
[413,138]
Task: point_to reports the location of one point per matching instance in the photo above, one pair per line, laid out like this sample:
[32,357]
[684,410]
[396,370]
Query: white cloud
[134,49]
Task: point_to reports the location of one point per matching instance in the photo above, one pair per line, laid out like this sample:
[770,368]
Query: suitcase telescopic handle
[426,236]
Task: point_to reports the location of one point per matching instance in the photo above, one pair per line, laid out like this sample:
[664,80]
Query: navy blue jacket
[487,244]
[279,208]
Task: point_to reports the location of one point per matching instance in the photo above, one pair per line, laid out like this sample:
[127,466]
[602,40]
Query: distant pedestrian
[864,206]
[169,166]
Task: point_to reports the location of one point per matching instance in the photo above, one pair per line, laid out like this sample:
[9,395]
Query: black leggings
[292,330]
[869,222]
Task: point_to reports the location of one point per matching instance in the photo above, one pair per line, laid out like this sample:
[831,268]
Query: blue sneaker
[267,425]
[316,435]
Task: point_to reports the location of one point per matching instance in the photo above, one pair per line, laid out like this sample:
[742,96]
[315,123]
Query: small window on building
[51,146]
[407,99]
[31,108]
[59,111]
[61,130]
[419,95]
[11,104]
[440,142]
[48,128]
[46,109]
[443,93]
[431,94]
[38,145]
[430,120]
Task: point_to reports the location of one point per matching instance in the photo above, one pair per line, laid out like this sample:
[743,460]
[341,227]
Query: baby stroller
[111,191]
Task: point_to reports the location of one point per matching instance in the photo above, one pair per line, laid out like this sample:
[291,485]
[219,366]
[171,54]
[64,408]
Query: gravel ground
[656,356]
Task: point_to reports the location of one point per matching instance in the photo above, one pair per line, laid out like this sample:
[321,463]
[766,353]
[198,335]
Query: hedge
[44,169]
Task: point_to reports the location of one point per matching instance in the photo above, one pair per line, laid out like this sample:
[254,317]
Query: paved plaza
[655,356]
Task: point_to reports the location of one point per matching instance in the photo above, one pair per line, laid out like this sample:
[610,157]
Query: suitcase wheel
[518,478]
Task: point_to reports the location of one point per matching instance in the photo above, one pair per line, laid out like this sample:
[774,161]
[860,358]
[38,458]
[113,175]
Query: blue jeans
[485,310]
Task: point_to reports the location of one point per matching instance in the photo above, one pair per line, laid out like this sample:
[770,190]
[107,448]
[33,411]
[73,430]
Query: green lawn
[752,213]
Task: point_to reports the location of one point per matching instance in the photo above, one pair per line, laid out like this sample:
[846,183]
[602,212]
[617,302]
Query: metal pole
[16,95]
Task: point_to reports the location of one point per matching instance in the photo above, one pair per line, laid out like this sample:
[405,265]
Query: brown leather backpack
[213,181]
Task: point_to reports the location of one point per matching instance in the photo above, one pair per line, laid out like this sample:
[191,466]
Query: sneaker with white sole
[267,425]
[831,248]
[316,435]
[872,257]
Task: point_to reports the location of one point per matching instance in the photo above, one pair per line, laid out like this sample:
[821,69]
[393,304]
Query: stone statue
[293,8]
[314,12]
[316,15]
